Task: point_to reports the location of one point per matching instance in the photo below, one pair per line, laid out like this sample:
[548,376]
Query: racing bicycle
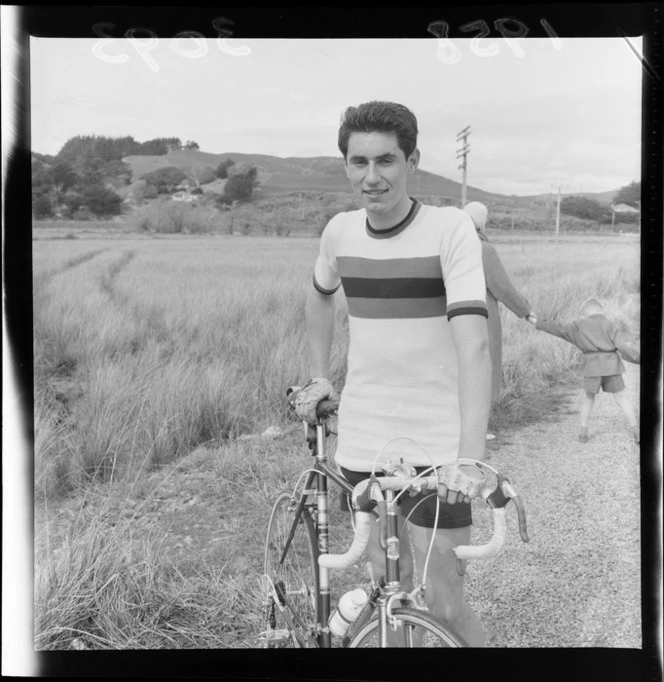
[299,568]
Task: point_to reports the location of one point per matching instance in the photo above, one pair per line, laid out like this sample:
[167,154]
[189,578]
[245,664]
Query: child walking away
[602,344]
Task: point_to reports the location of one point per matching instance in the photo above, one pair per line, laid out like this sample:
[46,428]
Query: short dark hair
[382,117]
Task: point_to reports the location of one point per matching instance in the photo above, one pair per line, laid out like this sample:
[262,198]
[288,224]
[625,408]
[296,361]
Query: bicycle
[297,565]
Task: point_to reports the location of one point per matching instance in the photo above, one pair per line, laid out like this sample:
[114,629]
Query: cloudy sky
[542,112]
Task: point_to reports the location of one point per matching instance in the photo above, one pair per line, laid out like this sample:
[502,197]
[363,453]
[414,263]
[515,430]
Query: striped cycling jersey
[402,287]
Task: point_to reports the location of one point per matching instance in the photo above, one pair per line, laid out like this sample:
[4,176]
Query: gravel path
[577,583]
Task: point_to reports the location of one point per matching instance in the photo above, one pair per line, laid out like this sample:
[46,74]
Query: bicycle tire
[291,622]
[414,624]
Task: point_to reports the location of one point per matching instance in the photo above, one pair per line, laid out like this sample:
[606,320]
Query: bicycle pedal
[274,639]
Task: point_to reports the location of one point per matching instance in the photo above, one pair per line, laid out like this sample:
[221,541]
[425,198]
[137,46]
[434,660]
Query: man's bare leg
[444,586]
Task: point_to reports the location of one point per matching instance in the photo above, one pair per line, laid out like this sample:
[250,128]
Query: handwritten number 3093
[449,53]
[148,42]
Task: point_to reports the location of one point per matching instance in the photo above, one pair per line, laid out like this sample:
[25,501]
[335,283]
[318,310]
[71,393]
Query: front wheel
[414,629]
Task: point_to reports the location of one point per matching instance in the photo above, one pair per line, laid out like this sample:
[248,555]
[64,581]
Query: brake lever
[520,509]
[503,493]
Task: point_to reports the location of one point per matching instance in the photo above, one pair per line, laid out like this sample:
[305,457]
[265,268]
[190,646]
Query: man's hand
[312,393]
[457,484]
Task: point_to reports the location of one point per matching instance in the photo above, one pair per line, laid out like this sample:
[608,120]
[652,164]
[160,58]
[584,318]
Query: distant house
[624,208]
[183,196]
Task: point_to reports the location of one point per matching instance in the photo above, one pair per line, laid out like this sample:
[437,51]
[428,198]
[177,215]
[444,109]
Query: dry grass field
[155,353]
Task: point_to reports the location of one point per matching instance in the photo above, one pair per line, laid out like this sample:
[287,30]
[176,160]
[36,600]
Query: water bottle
[348,610]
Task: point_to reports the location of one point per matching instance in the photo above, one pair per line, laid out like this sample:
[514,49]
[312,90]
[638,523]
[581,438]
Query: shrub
[42,207]
[240,186]
[102,201]
[83,213]
[168,217]
[222,168]
[165,179]
[583,207]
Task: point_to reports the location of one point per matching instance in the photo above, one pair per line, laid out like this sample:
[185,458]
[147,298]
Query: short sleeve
[326,271]
[463,272]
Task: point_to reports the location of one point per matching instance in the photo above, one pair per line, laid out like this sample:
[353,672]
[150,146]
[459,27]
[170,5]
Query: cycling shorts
[422,506]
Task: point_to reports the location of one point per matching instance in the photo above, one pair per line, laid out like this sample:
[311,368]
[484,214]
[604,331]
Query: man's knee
[444,593]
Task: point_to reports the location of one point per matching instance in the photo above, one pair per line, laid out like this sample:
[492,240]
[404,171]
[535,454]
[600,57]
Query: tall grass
[148,350]
[143,352]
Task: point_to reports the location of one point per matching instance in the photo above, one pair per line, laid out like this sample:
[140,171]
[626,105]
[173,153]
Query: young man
[419,368]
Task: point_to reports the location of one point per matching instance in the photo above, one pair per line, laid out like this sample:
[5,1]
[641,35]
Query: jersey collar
[399,227]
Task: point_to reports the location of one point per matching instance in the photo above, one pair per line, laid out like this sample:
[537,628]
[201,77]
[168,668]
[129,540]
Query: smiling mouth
[374,192]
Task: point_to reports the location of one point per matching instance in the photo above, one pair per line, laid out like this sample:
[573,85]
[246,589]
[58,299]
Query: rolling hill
[321,173]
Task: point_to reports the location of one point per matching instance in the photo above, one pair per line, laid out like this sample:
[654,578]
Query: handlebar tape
[359,544]
[491,548]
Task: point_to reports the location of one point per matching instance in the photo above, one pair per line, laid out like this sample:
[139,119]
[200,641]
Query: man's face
[378,172]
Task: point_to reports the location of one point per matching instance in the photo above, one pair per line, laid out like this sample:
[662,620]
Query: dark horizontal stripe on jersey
[397,308]
[471,307]
[372,268]
[467,310]
[411,287]
[327,292]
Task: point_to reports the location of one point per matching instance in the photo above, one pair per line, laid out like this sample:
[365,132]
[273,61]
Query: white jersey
[402,286]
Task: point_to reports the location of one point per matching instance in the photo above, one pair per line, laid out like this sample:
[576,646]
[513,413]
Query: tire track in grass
[43,278]
[108,278]
[152,320]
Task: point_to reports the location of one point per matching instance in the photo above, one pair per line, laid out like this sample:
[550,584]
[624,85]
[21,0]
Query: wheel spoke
[291,578]
[414,629]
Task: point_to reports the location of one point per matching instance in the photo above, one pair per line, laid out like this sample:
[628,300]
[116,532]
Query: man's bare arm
[470,336]
[320,310]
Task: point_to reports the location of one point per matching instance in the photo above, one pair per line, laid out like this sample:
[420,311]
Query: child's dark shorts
[613,383]
[456,515]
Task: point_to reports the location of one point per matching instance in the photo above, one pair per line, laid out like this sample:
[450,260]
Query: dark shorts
[450,515]
[612,383]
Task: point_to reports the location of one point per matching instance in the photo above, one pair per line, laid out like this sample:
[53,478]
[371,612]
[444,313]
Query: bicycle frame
[317,482]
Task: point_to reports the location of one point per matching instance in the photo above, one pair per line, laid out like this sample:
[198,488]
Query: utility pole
[463,153]
[559,188]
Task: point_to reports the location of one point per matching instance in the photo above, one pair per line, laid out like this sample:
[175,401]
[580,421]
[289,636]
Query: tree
[63,175]
[584,207]
[629,194]
[240,186]
[200,175]
[102,201]
[223,167]
[42,207]
[160,146]
[191,146]
[165,179]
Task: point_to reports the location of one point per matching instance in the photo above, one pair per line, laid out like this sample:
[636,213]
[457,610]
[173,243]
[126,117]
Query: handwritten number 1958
[509,28]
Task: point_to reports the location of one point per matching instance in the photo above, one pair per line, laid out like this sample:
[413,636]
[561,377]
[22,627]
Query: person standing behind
[499,289]
[602,344]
